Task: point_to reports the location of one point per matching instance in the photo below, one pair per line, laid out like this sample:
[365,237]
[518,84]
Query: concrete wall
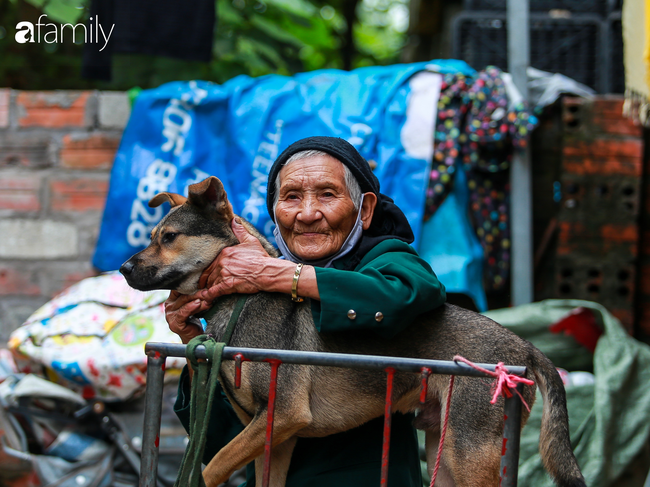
[56,153]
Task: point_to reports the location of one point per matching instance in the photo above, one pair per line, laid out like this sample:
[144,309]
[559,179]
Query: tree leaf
[275,30]
[302,8]
[64,11]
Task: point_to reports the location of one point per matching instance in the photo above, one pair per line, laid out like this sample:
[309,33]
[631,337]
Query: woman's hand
[241,269]
[247,268]
[179,309]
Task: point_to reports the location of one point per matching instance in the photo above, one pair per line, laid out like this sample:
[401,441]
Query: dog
[315,401]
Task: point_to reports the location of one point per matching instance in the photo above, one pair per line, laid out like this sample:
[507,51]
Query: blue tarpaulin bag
[183,132]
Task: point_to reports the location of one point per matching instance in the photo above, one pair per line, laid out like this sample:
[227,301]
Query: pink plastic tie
[504,382]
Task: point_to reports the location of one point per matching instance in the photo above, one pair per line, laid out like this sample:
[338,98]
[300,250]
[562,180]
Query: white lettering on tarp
[177,121]
[158,177]
[267,152]
[198,177]
[359,132]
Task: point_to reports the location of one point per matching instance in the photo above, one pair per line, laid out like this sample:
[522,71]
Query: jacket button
[352,314]
[379,316]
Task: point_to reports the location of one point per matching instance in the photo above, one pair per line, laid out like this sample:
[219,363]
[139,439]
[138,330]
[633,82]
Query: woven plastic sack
[91,337]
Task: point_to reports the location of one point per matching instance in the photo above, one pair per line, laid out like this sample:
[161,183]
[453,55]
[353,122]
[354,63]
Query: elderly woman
[348,245]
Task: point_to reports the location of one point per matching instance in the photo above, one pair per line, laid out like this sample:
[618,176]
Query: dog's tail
[554,442]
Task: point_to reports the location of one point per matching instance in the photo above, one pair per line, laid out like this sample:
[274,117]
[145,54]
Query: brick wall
[600,217]
[598,225]
[56,152]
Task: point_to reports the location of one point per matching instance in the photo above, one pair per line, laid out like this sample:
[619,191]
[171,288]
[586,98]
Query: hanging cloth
[636,57]
[181,30]
[479,126]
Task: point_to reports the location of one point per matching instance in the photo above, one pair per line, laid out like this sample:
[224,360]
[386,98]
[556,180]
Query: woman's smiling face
[314,212]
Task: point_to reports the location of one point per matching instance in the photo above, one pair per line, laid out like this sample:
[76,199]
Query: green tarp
[609,420]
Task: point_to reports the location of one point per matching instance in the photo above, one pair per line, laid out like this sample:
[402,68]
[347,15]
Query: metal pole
[369,362]
[521,282]
[388,416]
[152,415]
[270,414]
[511,437]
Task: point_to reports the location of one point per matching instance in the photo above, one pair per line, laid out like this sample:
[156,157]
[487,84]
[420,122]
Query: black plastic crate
[615,5]
[615,48]
[571,46]
[599,7]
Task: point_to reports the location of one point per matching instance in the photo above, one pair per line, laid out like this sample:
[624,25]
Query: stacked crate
[581,39]
[598,232]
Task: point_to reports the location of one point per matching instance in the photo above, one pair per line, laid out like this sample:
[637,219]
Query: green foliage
[380,34]
[277,36]
[253,37]
[32,65]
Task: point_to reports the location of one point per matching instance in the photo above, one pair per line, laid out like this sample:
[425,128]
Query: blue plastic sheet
[182,132]
[451,247]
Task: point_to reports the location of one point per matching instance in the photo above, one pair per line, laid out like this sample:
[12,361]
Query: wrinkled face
[314,212]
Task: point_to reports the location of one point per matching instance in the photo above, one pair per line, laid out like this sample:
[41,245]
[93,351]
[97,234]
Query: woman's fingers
[176,300]
[178,310]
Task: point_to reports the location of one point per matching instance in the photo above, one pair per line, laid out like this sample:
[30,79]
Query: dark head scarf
[388,221]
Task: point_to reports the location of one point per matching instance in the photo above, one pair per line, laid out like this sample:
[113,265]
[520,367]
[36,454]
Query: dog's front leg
[280,460]
[249,444]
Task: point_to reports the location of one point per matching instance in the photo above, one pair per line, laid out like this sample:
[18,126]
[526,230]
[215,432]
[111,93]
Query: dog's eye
[169,237]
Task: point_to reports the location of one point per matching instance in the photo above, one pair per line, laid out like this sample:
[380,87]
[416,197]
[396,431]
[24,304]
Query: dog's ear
[210,195]
[171,198]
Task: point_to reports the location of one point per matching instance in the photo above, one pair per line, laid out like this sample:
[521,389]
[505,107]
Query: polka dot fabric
[479,128]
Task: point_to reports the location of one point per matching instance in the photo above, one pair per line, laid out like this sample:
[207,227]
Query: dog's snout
[127,268]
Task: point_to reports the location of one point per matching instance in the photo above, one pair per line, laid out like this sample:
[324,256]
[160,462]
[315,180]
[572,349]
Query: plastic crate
[616,82]
[600,7]
[571,46]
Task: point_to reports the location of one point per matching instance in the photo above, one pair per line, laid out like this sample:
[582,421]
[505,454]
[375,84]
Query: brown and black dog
[319,401]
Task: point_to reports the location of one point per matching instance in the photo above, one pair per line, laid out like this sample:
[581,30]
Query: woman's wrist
[278,276]
[306,286]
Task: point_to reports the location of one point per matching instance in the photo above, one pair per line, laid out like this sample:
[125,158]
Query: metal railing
[158,352]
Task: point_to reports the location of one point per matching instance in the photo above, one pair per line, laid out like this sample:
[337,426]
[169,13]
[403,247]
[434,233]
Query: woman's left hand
[237,269]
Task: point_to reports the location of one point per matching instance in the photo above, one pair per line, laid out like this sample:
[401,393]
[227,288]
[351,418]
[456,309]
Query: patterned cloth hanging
[479,126]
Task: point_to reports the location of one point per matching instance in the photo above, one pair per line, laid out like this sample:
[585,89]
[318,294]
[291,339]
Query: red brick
[614,233]
[4,107]
[608,106]
[20,193]
[28,149]
[603,165]
[15,282]
[52,109]
[632,148]
[81,151]
[620,233]
[618,126]
[78,195]
[600,241]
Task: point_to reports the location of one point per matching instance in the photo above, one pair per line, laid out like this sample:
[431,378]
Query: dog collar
[208,314]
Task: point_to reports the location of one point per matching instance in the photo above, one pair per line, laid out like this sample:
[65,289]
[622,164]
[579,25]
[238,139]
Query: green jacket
[393,280]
